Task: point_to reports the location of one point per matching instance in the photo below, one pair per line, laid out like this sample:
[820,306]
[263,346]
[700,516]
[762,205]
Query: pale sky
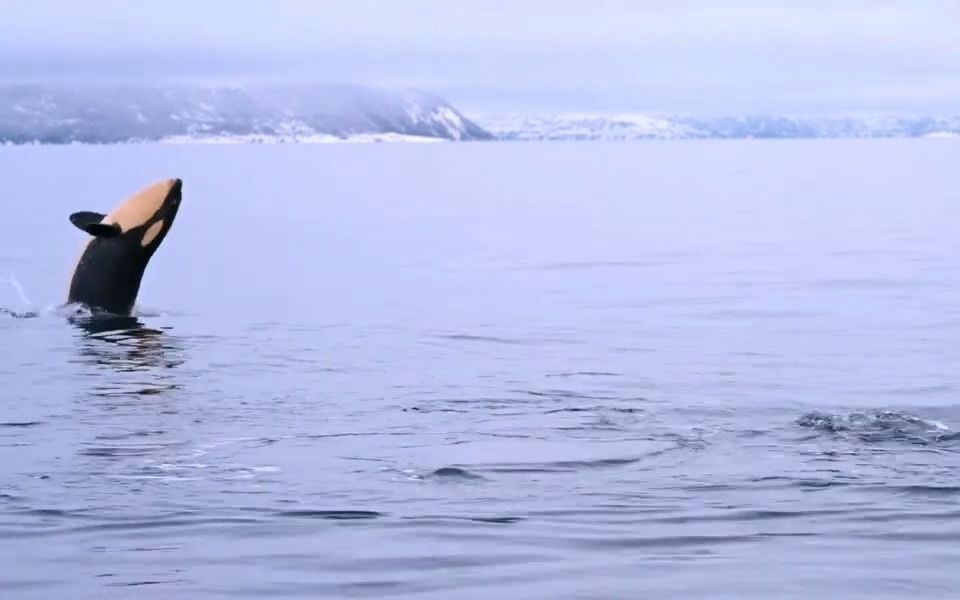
[673,56]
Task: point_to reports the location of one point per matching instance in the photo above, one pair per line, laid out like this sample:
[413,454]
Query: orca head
[146,216]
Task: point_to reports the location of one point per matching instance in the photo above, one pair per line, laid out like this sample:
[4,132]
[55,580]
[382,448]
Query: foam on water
[881,426]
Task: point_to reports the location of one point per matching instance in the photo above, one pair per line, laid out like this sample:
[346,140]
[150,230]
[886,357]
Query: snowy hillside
[296,113]
[638,127]
[583,127]
[335,113]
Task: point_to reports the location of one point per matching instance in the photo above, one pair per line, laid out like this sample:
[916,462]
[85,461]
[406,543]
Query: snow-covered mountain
[332,113]
[580,126]
[264,113]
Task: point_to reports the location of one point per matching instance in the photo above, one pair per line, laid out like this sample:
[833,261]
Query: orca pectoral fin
[91,222]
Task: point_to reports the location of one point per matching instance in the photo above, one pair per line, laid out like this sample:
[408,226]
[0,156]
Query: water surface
[666,370]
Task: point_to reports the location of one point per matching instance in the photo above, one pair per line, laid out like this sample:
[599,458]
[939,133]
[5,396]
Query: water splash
[17,314]
[25,310]
[18,288]
[881,426]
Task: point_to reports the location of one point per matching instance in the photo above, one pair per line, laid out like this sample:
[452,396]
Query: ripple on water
[585,374]
[560,466]
[591,409]
[527,340]
[333,515]
[116,450]
[453,473]
[599,265]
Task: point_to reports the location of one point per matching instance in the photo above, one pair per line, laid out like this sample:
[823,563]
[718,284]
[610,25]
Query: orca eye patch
[152,232]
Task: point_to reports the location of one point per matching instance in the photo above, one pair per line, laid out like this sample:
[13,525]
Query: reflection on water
[124,350]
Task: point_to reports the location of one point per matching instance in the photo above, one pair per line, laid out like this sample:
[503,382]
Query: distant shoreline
[364,140]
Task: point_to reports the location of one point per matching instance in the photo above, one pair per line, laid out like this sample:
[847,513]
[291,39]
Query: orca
[108,273]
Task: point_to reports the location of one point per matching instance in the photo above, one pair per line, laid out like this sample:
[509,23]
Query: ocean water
[586,370]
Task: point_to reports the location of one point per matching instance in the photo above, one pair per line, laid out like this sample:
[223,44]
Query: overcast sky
[674,56]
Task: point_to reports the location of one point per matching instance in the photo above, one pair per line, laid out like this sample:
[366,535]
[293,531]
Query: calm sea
[672,370]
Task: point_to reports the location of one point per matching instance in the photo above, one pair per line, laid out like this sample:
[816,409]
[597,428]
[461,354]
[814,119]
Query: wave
[881,426]
[7,312]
